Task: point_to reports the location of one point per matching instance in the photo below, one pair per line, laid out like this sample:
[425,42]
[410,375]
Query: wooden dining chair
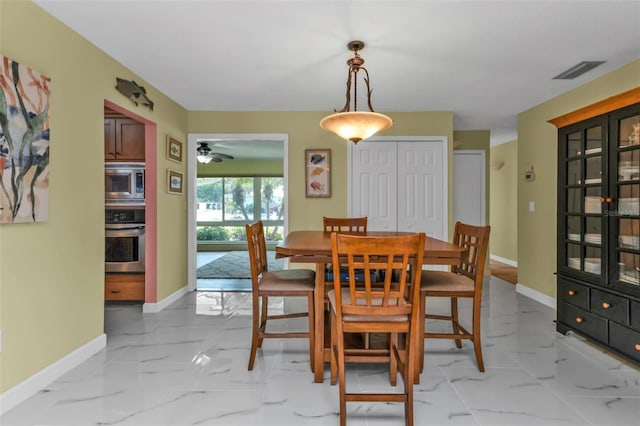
[391,308]
[284,283]
[344,224]
[463,281]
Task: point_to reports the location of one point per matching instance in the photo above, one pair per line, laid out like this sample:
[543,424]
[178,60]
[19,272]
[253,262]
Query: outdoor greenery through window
[226,204]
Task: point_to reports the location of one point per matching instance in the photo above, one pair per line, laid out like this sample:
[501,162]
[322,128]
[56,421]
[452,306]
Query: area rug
[235,264]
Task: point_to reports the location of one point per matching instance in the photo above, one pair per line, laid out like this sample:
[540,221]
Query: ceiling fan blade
[221,155]
[216,159]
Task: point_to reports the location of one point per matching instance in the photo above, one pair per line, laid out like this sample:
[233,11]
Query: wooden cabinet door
[109,139]
[129,140]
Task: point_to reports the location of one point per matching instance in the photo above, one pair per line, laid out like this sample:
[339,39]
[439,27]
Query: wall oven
[124,240]
[124,183]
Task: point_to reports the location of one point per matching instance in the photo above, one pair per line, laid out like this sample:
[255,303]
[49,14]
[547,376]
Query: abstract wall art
[24,143]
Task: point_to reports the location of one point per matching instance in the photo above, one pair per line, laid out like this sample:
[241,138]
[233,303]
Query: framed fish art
[318,173]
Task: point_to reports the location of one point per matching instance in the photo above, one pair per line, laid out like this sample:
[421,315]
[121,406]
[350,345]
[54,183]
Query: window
[226,204]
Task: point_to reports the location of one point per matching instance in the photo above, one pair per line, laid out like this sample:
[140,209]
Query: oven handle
[127,232]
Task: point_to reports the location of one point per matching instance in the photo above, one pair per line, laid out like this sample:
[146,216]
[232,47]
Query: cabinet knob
[609,200]
[571,292]
[605,305]
[579,320]
[638,347]
[602,199]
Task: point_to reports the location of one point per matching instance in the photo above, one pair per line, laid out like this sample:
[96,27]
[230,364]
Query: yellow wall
[503,173]
[304,132]
[537,147]
[52,273]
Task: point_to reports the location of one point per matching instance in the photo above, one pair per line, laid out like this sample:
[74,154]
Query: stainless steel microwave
[124,184]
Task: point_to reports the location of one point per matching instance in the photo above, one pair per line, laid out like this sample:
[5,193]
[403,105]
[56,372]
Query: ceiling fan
[205,155]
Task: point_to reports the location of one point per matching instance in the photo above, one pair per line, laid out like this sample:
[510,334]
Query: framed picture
[318,173]
[174,149]
[175,181]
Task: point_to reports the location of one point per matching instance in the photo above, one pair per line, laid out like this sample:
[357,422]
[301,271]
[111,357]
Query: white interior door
[469,187]
[400,184]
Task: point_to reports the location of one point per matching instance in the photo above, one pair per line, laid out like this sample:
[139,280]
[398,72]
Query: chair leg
[254,332]
[409,370]
[454,320]
[263,319]
[310,304]
[393,362]
[333,349]
[477,345]
[341,376]
[421,333]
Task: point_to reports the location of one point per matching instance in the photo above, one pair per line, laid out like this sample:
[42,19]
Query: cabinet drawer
[573,293]
[583,321]
[635,316]
[124,287]
[609,306]
[624,340]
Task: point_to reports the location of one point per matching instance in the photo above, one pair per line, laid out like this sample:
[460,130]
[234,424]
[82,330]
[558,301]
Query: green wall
[537,147]
[241,168]
[503,172]
[52,273]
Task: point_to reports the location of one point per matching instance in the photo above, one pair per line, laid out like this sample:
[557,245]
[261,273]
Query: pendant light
[356,125]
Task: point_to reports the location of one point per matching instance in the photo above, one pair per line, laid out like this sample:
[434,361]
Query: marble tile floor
[187,365]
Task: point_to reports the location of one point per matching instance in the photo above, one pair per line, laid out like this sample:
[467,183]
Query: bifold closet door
[399,186]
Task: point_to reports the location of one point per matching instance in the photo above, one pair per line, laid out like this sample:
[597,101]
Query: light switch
[532,206]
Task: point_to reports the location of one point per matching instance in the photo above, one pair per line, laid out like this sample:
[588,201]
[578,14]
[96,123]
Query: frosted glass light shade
[355,126]
[204,159]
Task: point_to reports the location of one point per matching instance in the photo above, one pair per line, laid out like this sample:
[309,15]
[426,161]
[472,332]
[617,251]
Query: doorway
[255,162]
[469,200]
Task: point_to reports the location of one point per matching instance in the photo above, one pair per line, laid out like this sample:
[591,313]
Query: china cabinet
[598,278]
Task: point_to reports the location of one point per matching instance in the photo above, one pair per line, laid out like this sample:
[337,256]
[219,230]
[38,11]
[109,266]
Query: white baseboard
[503,260]
[23,391]
[152,308]
[536,295]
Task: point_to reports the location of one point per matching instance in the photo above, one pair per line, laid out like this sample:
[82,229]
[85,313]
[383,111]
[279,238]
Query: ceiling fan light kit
[356,125]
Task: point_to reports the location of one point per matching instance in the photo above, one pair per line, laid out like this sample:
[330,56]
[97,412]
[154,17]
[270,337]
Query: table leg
[318,360]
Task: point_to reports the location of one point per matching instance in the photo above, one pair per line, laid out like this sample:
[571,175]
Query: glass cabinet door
[626,138]
[582,199]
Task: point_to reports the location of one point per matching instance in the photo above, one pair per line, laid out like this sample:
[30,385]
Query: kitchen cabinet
[124,287]
[123,140]
[598,279]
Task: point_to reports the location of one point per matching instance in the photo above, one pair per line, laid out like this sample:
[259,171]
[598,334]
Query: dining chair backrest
[257,251]
[475,239]
[345,224]
[397,256]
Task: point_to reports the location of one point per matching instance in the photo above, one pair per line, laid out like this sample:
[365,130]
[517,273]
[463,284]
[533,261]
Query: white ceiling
[484,60]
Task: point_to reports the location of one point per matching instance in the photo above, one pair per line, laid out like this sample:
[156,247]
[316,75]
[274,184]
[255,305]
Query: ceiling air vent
[578,70]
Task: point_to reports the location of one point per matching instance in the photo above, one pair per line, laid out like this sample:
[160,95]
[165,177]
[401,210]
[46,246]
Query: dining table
[315,247]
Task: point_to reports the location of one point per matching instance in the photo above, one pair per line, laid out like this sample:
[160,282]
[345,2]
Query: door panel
[421,170]
[374,185]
